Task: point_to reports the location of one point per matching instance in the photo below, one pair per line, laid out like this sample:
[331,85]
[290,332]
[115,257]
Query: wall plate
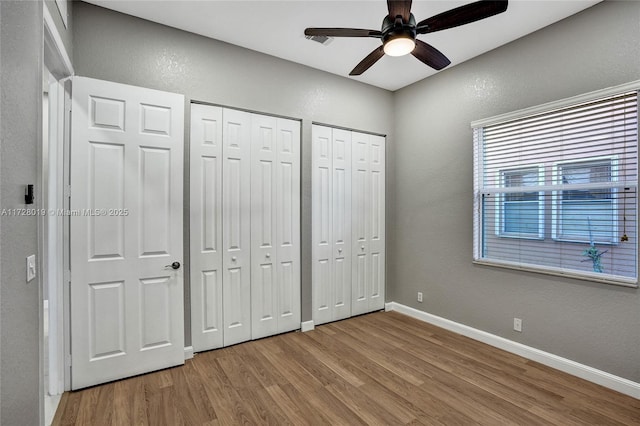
[31,267]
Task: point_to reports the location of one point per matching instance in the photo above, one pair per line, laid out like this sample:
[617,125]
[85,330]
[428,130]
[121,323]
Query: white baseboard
[591,374]
[307,326]
[188,352]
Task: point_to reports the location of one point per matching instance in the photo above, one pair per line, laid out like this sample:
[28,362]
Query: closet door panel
[341,223]
[361,206]
[322,220]
[287,234]
[376,223]
[263,226]
[206,227]
[236,238]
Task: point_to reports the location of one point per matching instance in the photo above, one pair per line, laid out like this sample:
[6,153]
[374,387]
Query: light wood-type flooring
[377,369]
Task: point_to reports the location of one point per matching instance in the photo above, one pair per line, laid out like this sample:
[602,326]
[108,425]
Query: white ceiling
[276,27]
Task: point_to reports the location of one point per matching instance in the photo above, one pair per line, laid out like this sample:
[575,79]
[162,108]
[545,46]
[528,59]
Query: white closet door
[236,238]
[331,192]
[341,224]
[368,223]
[245,226]
[288,225]
[377,238]
[322,219]
[264,159]
[206,227]
[275,225]
[348,190]
[361,202]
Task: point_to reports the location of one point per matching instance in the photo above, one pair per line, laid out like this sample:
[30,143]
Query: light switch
[31,267]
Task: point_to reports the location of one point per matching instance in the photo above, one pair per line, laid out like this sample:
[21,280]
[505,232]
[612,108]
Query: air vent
[324,40]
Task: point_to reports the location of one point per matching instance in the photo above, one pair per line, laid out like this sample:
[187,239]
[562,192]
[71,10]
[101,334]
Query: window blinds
[556,190]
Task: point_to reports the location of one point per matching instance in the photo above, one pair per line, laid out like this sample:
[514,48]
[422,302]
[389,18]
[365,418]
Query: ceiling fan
[399,31]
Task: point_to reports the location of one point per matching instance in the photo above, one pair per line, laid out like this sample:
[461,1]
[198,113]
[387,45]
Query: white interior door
[331,253]
[275,225]
[206,227]
[126,226]
[368,223]
[236,216]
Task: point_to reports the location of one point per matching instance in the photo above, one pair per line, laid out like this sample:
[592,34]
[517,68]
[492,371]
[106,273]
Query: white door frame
[53,244]
[57,61]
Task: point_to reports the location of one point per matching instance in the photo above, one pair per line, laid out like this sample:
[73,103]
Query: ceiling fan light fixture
[399,31]
[399,46]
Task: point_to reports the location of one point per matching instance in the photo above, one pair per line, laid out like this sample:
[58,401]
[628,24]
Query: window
[555,187]
[521,213]
[586,213]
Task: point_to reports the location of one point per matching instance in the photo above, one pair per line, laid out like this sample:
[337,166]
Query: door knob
[233,258]
[361,247]
[174,265]
[268,255]
[339,250]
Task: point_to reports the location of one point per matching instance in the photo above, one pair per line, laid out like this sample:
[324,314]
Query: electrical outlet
[517,324]
[420,296]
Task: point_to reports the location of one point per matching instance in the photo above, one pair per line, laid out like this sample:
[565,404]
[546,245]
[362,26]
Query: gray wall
[431,247]
[117,47]
[21,96]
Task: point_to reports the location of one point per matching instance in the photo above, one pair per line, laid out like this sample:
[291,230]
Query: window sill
[558,272]
[521,236]
[587,242]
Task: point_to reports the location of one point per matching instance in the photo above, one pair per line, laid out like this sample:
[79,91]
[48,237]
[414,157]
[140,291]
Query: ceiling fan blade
[461,15]
[430,55]
[342,32]
[399,7]
[367,62]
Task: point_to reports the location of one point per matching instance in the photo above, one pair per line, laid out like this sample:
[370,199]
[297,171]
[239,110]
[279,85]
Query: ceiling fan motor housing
[396,28]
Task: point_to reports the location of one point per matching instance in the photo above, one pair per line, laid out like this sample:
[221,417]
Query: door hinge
[67,276]
[67,191]
[67,360]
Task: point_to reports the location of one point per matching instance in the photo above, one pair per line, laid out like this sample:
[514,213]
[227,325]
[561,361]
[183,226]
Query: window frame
[557,202]
[500,202]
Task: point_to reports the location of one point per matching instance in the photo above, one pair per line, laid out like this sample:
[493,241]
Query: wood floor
[381,368]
